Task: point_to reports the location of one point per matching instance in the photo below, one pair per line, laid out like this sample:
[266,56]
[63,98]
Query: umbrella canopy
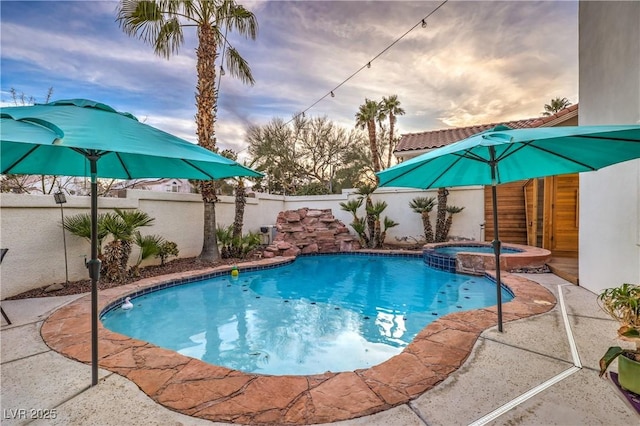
[502,155]
[518,154]
[24,132]
[126,148]
[79,137]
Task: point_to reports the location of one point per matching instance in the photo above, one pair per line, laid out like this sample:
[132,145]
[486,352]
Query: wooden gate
[511,213]
[552,212]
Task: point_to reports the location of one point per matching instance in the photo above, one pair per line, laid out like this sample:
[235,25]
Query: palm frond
[134,219]
[377,208]
[149,245]
[422,204]
[389,223]
[351,206]
[239,67]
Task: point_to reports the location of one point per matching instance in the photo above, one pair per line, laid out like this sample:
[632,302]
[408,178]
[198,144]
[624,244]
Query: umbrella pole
[496,238]
[94,267]
[496,249]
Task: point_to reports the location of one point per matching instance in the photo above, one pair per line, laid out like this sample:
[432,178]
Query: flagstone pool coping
[215,393]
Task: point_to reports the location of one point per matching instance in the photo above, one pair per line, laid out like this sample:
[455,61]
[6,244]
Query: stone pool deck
[456,371]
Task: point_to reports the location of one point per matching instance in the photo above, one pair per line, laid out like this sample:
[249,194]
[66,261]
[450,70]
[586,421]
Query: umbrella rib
[199,169]
[124,167]
[564,157]
[418,165]
[608,138]
[460,157]
[18,161]
[470,155]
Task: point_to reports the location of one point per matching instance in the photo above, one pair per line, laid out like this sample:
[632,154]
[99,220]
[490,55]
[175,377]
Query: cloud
[475,62]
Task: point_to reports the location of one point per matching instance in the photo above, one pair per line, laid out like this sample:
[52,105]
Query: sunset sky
[475,62]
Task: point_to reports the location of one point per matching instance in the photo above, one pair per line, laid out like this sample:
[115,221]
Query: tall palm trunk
[426,225]
[371,221]
[373,146]
[205,121]
[441,215]
[392,123]
[238,220]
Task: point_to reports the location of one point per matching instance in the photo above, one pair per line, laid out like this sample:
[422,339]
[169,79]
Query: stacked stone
[310,231]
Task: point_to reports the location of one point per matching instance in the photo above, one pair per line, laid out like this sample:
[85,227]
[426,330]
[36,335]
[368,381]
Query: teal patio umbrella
[502,155]
[79,137]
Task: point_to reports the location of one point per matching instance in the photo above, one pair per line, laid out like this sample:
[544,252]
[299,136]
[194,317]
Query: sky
[475,62]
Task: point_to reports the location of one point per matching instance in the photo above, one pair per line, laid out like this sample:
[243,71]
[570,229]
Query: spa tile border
[215,393]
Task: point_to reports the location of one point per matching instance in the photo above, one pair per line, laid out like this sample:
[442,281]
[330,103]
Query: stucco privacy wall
[30,225]
[609,57]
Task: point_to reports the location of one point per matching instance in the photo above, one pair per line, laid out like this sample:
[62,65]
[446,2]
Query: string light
[422,22]
[222,70]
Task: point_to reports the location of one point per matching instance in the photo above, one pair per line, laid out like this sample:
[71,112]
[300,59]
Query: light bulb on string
[422,22]
[222,70]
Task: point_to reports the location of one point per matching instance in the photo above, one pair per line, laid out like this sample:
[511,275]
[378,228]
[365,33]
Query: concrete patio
[531,374]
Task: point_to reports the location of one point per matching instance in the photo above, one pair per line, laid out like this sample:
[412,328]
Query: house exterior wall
[609,94]
[30,225]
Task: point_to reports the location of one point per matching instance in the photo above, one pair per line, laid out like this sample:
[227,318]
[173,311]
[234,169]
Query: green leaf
[631,332]
[608,358]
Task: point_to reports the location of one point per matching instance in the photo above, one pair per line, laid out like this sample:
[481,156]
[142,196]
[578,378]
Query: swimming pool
[319,313]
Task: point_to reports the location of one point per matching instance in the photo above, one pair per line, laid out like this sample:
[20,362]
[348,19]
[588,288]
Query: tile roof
[438,138]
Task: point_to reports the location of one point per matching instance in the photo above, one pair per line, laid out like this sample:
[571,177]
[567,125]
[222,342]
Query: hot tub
[475,257]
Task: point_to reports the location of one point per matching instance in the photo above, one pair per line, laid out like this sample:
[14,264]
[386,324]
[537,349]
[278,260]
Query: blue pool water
[453,250]
[319,313]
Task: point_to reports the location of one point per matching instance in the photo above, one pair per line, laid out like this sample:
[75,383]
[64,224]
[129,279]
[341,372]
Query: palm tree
[122,226]
[441,215]
[160,23]
[451,210]
[390,108]
[388,223]
[379,233]
[241,199]
[80,225]
[149,246]
[364,192]
[358,223]
[555,105]
[366,117]
[423,206]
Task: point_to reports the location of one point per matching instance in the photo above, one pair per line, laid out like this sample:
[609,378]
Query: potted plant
[623,304]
